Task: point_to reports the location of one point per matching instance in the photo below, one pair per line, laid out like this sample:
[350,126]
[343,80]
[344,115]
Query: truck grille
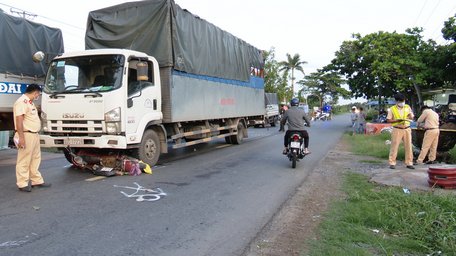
[76,127]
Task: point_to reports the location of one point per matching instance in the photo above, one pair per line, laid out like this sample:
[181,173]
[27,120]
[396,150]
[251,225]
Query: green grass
[453,155]
[373,145]
[379,220]
[407,224]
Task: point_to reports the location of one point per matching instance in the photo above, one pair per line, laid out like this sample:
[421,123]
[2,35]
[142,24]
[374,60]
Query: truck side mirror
[38,56]
[142,71]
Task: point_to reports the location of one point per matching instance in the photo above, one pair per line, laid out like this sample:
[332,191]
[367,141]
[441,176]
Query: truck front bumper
[104,141]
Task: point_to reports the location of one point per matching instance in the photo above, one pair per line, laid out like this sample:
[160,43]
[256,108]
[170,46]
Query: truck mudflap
[104,141]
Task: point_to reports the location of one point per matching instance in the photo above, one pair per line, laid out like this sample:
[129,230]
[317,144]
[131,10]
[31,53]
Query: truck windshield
[84,74]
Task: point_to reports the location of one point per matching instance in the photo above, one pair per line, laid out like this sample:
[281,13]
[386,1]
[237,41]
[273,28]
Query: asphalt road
[218,197]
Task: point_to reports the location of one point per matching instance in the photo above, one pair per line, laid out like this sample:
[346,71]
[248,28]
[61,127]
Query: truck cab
[100,99]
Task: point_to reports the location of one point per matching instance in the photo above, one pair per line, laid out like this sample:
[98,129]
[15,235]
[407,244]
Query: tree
[324,83]
[449,29]
[383,63]
[443,59]
[292,64]
[274,81]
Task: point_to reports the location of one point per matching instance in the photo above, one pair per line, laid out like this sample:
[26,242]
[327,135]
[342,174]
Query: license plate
[295,144]
[74,141]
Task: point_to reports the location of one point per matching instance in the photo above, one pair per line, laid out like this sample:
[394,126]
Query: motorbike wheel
[294,158]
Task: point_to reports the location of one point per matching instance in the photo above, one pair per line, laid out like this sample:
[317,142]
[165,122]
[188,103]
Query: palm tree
[292,64]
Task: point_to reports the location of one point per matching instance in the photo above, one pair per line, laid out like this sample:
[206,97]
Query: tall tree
[274,80]
[292,64]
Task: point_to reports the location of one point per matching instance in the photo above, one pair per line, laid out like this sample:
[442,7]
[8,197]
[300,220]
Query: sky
[313,29]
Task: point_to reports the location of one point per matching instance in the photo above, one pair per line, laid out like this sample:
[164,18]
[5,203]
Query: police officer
[399,116]
[27,125]
[429,119]
[295,117]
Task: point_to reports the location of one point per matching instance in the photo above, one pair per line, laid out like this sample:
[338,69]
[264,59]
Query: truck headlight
[44,124]
[113,128]
[113,115]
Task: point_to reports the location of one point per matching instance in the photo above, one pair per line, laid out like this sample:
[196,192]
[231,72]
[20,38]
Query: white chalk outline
[154,195]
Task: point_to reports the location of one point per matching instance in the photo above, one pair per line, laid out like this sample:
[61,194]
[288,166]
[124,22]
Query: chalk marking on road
[153,194]
[223,146]
[13,243]
[96,178]
[68,165]
[16,243]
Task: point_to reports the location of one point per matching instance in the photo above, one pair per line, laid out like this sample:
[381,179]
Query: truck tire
[239,137]
[228,140]
[274,121]
[149,149]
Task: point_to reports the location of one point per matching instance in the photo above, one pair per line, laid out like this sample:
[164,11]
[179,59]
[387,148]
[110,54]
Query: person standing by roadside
[399,116]
[282,111]
[27,125]
[354,119]
[361,120]
[429,120]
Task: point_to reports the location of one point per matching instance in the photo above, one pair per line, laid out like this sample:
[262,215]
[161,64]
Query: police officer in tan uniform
[429,120]
[399,116]
[27,124]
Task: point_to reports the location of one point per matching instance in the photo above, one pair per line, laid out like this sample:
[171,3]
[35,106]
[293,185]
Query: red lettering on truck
[227,101]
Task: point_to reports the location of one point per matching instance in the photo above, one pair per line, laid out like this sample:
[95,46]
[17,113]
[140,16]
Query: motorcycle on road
[295,150]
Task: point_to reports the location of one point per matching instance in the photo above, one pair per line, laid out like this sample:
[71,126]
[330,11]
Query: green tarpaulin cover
[175,37]
[22,38]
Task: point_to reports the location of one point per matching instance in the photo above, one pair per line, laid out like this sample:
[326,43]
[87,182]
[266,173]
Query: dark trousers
[304,134]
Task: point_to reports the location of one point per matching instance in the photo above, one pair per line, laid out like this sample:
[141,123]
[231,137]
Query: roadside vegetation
[379,220]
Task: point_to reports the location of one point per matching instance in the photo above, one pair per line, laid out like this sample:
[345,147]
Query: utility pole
[23,13]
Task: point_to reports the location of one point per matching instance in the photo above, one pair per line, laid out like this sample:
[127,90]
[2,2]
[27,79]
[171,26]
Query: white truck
[20,39]
[272,115]
[186,82]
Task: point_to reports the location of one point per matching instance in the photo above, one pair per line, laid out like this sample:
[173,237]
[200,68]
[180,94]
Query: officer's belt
[29,131]
[403,128]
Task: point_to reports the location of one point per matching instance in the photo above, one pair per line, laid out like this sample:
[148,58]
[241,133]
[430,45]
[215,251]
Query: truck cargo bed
[189,97]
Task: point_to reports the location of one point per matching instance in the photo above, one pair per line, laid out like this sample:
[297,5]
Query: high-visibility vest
[396,115]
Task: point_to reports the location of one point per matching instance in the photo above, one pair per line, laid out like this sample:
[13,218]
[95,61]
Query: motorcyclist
[295,117]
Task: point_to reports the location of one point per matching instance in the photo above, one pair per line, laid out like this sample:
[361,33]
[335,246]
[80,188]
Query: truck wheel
[228,140]
[274,121]
[149,149]
[239,137]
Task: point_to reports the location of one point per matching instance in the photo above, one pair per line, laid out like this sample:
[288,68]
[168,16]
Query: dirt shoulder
[296,223]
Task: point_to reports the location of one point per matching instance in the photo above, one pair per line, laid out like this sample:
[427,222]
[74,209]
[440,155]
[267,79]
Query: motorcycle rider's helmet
[294,102]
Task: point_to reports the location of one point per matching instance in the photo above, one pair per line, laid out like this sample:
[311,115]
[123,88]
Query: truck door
[143,96]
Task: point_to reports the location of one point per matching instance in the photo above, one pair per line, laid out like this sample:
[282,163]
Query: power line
[421,11]
[437,30]
[433,10]
[44,17]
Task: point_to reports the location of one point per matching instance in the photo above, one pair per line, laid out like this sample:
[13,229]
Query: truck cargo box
[175,37]
[189,97]
[205,71]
